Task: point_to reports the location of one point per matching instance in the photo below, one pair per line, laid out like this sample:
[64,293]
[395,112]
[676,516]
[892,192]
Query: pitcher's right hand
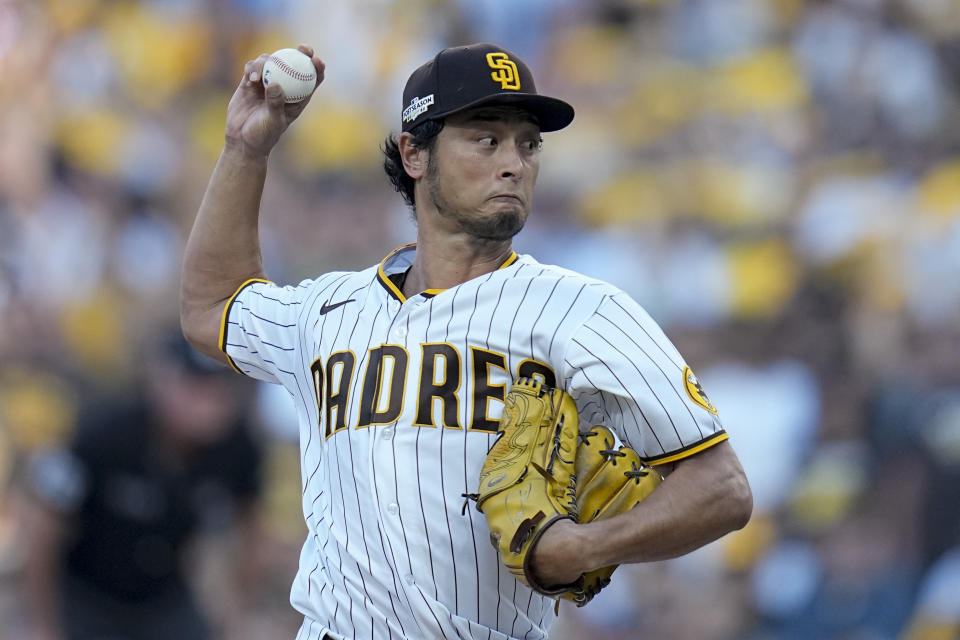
[258,116]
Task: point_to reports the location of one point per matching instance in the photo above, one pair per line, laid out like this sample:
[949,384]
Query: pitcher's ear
[414,158]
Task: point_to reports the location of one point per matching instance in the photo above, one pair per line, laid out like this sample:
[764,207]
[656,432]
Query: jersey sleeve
[259,330]
[624,372]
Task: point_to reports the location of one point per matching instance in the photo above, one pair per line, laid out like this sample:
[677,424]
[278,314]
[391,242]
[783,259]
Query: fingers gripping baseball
[257,115]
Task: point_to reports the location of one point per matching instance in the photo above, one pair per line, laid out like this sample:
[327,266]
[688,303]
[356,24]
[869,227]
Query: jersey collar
[401,258]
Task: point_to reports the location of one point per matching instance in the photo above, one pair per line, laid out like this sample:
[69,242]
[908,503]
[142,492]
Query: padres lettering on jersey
[398,401]
[385,379]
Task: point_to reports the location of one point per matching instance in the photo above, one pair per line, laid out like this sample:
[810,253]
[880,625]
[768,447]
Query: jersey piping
[689,450]
[226,314]
[395,291]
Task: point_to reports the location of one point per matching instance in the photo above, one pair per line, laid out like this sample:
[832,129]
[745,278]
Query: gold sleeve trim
[686,452]
[226,314]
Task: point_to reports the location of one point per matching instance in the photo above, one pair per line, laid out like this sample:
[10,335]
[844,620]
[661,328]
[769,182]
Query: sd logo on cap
[460,78]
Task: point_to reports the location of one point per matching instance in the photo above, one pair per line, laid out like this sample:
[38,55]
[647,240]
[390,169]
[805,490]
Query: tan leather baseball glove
[541,470]
[610,481]
[527,482]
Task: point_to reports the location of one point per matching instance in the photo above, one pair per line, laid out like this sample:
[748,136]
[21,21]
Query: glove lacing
[637,472]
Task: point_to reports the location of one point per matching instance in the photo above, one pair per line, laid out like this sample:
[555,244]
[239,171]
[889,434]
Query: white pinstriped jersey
[398,401]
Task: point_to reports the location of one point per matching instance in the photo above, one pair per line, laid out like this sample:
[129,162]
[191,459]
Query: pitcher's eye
[534,144]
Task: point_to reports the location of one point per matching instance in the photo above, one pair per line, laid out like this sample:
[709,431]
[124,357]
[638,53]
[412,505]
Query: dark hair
[424,137]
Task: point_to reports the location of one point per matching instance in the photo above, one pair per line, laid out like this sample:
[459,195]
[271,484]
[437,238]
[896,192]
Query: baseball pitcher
[481,434]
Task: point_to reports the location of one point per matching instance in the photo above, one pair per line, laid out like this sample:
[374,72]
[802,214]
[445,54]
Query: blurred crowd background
[776,181]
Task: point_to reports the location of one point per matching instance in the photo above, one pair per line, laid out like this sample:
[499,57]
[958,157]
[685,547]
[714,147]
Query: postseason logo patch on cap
[417,107]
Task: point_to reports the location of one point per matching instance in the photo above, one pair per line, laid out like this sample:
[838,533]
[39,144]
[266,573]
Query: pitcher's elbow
[190,320]
[741,498]
[188,326]
[201,329]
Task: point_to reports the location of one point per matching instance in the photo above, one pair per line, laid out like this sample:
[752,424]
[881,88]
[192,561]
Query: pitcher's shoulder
[528,268]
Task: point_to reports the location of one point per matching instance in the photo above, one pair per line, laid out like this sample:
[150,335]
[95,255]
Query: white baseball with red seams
[293,70]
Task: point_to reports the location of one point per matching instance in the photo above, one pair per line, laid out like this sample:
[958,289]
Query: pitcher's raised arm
[223,250]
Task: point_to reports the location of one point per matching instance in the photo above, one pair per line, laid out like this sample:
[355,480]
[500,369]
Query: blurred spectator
[109,517]
[938,610]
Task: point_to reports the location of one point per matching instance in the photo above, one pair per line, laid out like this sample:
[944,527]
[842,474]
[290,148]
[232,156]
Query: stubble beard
[496,228]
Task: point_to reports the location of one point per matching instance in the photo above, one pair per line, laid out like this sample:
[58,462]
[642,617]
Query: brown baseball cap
[460,78]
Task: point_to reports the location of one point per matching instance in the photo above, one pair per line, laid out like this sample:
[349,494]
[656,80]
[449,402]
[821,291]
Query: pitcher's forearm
[223,249]
[704,499]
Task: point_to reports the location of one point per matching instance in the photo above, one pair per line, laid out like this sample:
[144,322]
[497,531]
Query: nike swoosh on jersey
[327,307]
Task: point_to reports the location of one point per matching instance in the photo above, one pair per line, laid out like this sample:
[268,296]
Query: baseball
[293,70]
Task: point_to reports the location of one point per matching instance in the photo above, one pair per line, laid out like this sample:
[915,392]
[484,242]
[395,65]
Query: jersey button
[393,508]
[409,578]
[387,433]
[401,332]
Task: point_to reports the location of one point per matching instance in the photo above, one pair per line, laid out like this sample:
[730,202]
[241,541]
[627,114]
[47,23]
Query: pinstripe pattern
[389,553]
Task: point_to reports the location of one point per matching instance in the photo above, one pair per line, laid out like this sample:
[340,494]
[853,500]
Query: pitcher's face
[482,171]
